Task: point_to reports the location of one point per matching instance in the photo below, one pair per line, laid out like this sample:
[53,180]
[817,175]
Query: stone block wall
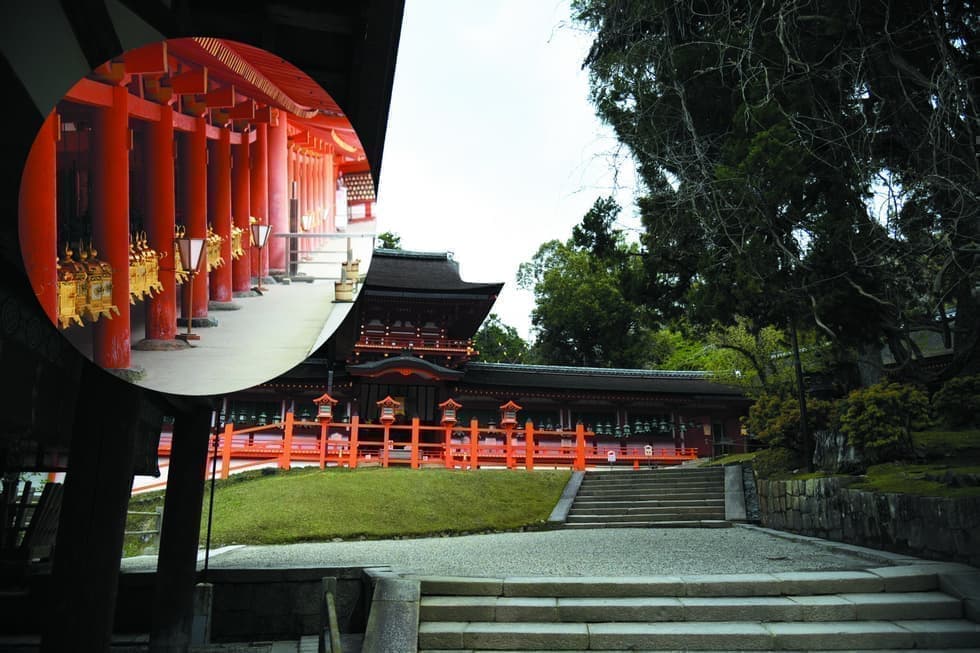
[928,527]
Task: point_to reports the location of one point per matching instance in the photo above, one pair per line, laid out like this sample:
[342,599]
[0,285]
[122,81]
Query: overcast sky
[492,146]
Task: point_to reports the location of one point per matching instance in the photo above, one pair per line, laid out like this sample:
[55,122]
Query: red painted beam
[88,91]
[220,97]
[243,110]
[191,82]
[150,58]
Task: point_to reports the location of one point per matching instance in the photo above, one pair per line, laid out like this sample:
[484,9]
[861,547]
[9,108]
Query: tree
[389,240]
[583,311]
[497,342]
[766,132]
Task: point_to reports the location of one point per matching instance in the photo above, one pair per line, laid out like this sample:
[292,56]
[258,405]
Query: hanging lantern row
[84,287]
[215,260]
[642,427]
[237,251]
[144,269]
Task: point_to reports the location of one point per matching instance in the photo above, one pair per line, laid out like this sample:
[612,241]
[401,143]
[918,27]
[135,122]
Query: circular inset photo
[195,216]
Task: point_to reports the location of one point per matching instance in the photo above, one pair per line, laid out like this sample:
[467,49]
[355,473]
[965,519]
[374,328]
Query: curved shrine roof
[597,379]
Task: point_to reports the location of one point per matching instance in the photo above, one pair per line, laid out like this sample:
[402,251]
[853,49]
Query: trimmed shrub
[878,420]
[776,461]
[957,404]
[775,419]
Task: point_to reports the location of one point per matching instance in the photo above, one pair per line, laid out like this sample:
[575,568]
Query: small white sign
[611,456]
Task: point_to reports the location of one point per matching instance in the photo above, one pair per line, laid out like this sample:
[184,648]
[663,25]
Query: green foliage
[499,343]
[775,419]
[583,311]
[760,132]
[389,240]
[878,420]
[776,461]
[958,402]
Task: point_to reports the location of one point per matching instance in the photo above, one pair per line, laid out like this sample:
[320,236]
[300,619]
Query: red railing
[350,444]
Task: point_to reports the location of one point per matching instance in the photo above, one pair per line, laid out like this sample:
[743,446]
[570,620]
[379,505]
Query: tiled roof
[421,271]
[596,378]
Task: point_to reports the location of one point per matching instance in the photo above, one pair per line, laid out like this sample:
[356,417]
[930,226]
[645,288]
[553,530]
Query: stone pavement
[587,552]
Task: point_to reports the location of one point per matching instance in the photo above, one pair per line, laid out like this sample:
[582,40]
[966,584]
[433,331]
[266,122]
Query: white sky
[492,146]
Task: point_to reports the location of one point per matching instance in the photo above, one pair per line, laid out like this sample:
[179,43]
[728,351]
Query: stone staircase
[650,498]
[890,608]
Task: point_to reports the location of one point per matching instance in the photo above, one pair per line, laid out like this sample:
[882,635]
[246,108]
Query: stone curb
[560,512]
[393,622]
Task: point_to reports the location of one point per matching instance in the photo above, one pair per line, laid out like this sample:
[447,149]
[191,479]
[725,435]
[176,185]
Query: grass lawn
[309,505]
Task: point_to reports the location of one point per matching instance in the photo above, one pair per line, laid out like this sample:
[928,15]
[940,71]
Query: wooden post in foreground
[414,454]
[226,450]
[354,423]
[529,446]
[580,447]
[474,444]
[287,442]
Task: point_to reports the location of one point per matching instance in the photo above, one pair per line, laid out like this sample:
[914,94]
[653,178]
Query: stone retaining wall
[928,527]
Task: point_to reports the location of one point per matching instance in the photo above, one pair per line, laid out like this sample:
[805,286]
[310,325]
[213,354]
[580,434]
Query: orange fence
[352,444]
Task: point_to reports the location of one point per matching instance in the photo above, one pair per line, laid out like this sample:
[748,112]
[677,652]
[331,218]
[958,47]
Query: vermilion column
[278,156]
[195,185]
[219,210]
[110,224]
[38,216]
[161,309]
[259,191]
[240,208]
[331,192]
[307,185]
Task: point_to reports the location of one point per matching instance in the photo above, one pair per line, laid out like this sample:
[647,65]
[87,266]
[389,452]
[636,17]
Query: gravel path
[598,552]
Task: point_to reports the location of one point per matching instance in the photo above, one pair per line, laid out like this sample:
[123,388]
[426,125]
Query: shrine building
[410,337]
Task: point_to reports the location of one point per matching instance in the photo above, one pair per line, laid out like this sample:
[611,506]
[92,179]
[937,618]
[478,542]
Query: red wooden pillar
[38,216]
[287,442]
[509,446]
[384,444]
[278,160]
[304,187]
[259,192]
[580,447]
[194,168]
[474,444]
[226,442]
[414,454]
[219,210]
[330,191]
[354,424]
[529,446]
[447,453]
[161,310]
[323,444]
[241,209]
[110,223]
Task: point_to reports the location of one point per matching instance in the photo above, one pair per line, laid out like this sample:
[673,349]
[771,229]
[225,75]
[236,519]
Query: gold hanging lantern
[99,284]
[180,274]
[66,291]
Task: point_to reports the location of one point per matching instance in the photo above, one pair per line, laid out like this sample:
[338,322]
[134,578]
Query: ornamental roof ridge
[409,253]
[592,371]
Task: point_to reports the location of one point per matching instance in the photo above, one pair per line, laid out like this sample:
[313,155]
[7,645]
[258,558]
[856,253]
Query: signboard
[611,456]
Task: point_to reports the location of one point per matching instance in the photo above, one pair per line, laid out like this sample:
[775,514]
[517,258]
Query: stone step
[668,509]
[654,489]
[672,523]
[659,473]
[639,516]
[663,496]
[652,503]
[887,606]
[908,578]
[698,635]
[640,477]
